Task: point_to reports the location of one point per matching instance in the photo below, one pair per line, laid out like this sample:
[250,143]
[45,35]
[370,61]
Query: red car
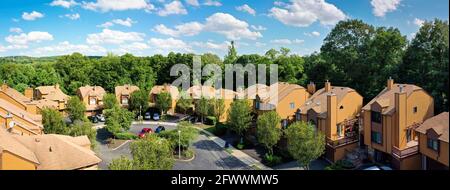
[144,132]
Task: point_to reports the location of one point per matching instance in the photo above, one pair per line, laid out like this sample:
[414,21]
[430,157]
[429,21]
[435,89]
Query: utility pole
[179,144]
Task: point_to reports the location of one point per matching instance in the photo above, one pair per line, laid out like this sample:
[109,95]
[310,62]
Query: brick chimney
[390,83]
[400,114]
[331,116]
[327,86]
[29,93]
[311,88]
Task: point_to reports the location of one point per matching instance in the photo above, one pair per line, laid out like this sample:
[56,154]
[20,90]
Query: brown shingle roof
[438,123]
[386,98]
[56,152]
[318,101]
[52,93]
[197,91]
[14,94]
[263,91]
[125,89]
[46,103]
[172,90]
[96,91]
[10,144]
[21,113]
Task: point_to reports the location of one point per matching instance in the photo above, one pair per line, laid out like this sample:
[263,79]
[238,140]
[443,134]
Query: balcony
[411,148]
[266,107]
[349,138]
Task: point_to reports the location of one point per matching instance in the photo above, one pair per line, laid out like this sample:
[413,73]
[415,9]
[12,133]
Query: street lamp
[179,144]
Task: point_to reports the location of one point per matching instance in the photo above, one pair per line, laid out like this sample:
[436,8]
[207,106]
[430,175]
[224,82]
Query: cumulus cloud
[64,3]
[118,5]
[161,45]
[15,30]
[247,9]
[128,22]
[418,22]
[230,26]
[313,34]
[32,16]
[193,3]
[381,7]
[212,3]
[108,36]
[173,8]
[66,47]
[302,13]
[211,45]
[259,27]
[287,41]
[74,16]
[187,29]
[24,39]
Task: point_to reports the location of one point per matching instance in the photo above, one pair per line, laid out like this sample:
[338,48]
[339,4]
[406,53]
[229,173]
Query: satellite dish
[11,124]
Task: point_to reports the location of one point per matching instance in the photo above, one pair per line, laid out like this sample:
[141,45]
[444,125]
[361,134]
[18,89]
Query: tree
[217,108]
[80,128]
[122,163]
[118,119]
[109,101]
[231,56]
[202,107]
[76,109]
[53,122]
[239,116]
[426,62]
[187,135]
[152,153]
[164,101]
[139,101]
[184,103]
[305,144]
[268,130]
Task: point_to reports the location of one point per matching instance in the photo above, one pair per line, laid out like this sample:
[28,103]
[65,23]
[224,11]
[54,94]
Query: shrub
[240,146]
[125,136]
[210,120]
[220,129]
[272,160]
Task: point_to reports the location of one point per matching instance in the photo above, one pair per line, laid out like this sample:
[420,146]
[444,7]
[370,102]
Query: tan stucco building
[48,97]
[389,121]
[92,97]
[433,142]
[172,90]
[334,110]
[21,102]
[123,94]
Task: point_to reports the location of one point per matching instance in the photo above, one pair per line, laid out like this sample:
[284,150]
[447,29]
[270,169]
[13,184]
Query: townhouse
[172,90]
[333,110]
[21,102]
[123,94]
[92,97]
[18,121]
[284,98]
[389,121]
[45,152]
[48,97]
[433,142]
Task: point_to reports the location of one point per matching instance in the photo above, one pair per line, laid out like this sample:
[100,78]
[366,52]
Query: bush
[272,160]
[220,129]
[240,146]
[210,120]
[341,165]
[125,136]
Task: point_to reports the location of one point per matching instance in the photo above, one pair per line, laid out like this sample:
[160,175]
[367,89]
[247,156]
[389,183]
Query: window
[256,104]
[415,109]
[339,130]
[285,123]
[376,137]
[292,105]
[92,101]
[375,116]
[433,144]
[298,116]
[124,100]
[408,135]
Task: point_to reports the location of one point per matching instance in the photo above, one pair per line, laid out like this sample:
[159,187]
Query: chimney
[390,83]
[331,116]
[400,114]
[29,93]
[4,86]
[327,86]
[56,86]
[311,87]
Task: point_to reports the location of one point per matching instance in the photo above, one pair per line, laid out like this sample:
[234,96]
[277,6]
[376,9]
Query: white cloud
[170,44]
[24,39]
[124,22]
[287,41]
[246,8]
[15,30]
[66,47]
[75,16]
[32,16]
[381,7]
[229,26]
[64,3]
[260,44]
[418,22]
[211,45]
[106,25]
[108,36]
[212,3]
[312,34]
[173,8]
[302,13]
[187,29]
[193,2]
[259,27]
[118,5]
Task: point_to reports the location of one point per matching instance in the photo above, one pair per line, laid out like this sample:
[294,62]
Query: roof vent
[50,149]
[37,140]
[401,88]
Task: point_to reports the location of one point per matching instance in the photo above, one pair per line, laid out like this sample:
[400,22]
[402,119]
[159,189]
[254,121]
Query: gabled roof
[52,93]
[318,101]
[197,91]
[22,114]
[172,90]
[14,94]
[10,144]
[386,97]
[438,123]
[125,89]
[263,91]
[96,91]
[46,103]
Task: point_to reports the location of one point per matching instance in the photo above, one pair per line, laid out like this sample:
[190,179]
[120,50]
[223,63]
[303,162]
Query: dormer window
[124,100]
[433,144]
[92,101]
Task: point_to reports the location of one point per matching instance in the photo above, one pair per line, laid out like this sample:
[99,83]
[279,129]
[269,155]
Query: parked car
[93,119]
[147,116]
[156,116]
[144,132]
[160,129]
[101,118]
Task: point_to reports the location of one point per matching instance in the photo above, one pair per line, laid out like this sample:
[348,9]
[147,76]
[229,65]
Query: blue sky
[147,27]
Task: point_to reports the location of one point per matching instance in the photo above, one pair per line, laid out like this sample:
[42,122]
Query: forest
[353,54]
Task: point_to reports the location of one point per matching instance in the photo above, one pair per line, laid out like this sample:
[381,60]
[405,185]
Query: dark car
[160,129]
[93,119]
[144,132]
